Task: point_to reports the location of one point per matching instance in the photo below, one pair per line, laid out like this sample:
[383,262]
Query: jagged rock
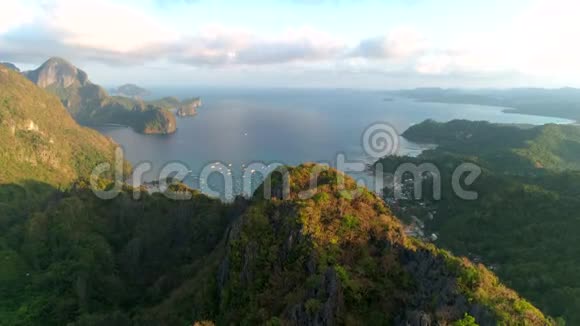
[250,255]
[188,107]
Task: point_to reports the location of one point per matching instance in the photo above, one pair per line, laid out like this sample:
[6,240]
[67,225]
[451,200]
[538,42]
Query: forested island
[130,90]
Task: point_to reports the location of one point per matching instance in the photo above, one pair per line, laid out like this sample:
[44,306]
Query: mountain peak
[58,60]
[57,72]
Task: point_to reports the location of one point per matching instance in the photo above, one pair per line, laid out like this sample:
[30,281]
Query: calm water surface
[289,126]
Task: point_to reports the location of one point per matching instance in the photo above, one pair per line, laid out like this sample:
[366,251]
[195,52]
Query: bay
[288,126]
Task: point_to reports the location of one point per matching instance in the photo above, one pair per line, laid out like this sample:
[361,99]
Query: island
[90,104]
[188,107]
[130,90]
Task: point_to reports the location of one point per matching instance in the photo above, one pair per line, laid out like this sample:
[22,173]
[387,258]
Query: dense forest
[525,222]
[70,258]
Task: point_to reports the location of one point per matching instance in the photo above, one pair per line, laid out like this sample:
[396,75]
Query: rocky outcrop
[155,121]
[436,294]
[90,104]
[57,72]
[77,93]
[324,305]
[188,107]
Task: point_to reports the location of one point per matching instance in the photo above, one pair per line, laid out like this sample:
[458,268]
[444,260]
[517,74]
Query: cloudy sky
[301,43]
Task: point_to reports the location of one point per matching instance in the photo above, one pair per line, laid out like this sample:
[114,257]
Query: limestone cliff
[189,107]
[90,104]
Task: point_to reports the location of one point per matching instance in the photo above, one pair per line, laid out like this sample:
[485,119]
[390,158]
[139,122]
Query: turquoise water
[289,126]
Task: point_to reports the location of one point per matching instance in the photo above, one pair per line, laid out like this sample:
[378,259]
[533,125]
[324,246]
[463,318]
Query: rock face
[78,94]
[90,104]
[437,289]
[57,72]
[155,121]
[189,107]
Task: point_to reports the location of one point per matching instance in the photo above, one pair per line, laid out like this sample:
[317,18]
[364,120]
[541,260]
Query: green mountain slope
[525,222]
[90,104]
[328,260]
[336,258]
[10,66]
[502,147]
[38,138]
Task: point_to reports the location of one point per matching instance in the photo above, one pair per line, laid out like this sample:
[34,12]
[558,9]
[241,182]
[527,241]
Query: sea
[243,133]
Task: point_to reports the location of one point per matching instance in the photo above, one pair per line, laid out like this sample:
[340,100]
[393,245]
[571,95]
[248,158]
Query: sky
[301,43]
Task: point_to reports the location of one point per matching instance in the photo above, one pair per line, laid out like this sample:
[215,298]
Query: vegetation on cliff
[189,107]
[38,138]
[90,104]
[331,259]
[131,91]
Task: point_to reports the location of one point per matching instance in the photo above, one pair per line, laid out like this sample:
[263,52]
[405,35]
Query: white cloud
[544,38]
[213,45]
[303,44]
[400,43]
[106,26]
[219,45]
[434,64]
[540,41]
[14,14]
